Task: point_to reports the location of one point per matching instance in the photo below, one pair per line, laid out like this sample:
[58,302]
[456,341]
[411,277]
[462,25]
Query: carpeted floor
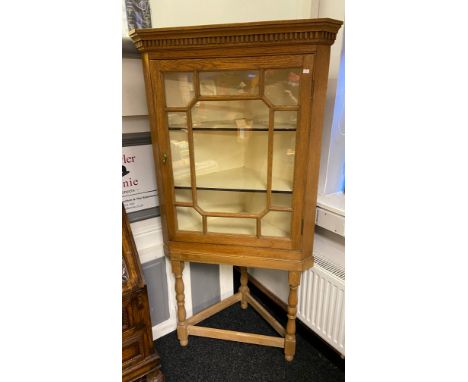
[206,359]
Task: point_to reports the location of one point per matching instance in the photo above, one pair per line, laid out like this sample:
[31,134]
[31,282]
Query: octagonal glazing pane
[232,159]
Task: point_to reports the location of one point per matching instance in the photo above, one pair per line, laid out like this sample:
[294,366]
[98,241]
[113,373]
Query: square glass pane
[178,88]
[285,120]
[280,199]
[188,219]
[239,226]
[183,195]
[282,86]
[231,201]
[231,159]
[284,150]
[232,82]
[180,158]
[236,114]
[276,223]
[177,120]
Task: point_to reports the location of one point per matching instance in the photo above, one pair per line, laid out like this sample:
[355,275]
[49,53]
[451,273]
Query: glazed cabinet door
[232,149]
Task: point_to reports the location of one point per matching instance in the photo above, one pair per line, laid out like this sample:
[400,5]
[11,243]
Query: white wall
[133,88]
[333,148]
[169,13]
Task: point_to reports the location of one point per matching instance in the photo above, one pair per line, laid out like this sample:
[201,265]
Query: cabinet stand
[187,326]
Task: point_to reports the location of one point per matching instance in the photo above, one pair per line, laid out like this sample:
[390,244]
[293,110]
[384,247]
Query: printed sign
[139,191]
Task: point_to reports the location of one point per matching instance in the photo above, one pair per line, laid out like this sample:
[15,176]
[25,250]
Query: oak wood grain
[231,335]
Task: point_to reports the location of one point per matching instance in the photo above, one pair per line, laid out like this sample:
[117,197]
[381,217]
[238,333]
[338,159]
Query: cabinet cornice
[285,32]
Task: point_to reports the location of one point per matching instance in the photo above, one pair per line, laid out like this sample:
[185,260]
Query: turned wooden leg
[290,339]
[182,335]
[244,289]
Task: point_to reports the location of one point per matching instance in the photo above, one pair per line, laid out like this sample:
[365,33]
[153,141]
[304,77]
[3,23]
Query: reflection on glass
[177,120]
[238,226]
[238,82]
[284,150]
[178,88]
[242,114]
[282,86]
[183,195]
[180,157]
[279,199]
[285,120]
[231,159]
[188,219]
[276,223]
[231,201]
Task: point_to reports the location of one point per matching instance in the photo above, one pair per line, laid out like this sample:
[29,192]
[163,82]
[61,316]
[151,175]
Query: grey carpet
[206,359]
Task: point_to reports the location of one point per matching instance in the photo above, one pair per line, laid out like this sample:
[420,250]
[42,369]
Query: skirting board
[164,328]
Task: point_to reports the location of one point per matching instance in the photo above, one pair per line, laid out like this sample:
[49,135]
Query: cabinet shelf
[229,129]
[231,189]
[236,179]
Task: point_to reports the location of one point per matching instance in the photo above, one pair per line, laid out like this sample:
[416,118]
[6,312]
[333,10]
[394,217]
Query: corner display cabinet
[236,116]
[139,358]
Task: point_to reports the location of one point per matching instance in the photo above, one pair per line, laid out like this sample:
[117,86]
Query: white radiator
[321,302]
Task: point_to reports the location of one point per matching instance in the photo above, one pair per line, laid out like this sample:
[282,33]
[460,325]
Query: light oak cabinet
[236,117]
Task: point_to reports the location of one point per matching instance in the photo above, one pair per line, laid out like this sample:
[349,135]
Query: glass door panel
[183,195]
[239,128]
[281,200]
[180,157]
[229,82]
[285,120]
[188,219]
[235,160]
[239,226]
[235,114]
[276,223]
[177,120]
[231,201]
[179,88]
[282,86]
[284,149]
